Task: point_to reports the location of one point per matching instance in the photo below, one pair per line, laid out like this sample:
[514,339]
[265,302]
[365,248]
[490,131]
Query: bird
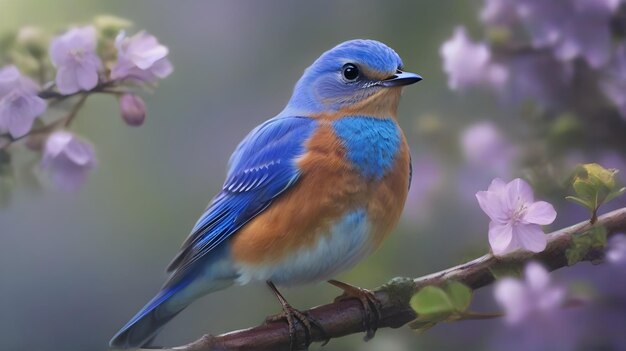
[308,193]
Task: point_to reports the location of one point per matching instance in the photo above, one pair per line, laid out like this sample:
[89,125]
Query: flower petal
[66,80]
[616,252]
[551,298]
[530,236]
[79,152]
[162,68]
[464,60]
[518,193]
[87,76]
[497,185]
[512,295]
[27,108]
[147,58]
[491,204]
[540,212]
[9,79]
[55,144]
[67,159]
[537,276]
[500,236]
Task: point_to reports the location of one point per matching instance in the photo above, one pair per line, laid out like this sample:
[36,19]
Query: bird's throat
[382,104]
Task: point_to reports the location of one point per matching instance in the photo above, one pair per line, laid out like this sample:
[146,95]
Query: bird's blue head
[353,72]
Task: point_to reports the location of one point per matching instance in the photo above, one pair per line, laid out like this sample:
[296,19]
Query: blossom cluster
[536,50]
[96,58]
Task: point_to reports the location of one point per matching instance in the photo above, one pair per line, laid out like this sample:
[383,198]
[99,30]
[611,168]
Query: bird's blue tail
[144,326]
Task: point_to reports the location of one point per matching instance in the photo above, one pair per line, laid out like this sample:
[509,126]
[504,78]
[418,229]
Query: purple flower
[586,32]
[543,20]
[499,12]
[525,299]
[571,29]
[19,103]
[68,159]
[140,57]
[485,147]
[534,317]
[616,253]
[538,77]
[132,109]
[516,218]
[74,56]
[468,64]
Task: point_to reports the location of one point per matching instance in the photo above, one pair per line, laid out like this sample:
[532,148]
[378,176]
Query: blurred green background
[75,267]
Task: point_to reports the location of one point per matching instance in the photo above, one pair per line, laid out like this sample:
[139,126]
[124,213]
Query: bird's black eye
[350,71]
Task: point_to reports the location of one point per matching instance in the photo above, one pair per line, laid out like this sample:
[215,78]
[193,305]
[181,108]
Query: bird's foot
[294,317]
[372,307]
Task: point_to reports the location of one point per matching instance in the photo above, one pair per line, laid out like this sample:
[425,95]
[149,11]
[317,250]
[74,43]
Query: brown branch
[346,316]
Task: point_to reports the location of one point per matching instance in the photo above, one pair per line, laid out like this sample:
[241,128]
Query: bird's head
[358,75]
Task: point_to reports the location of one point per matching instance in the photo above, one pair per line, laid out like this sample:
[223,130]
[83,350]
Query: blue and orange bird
[308,193]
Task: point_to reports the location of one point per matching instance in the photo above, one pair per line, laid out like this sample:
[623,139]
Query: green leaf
[615,194]
[585,190]
[580,201]
[421,325]
[601,175]
[432,301]
[434,304]
[594,238]
[594,186]
[597,236]
[575,254]
[459,294]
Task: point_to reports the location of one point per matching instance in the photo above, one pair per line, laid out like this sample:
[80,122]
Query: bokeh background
[74,267]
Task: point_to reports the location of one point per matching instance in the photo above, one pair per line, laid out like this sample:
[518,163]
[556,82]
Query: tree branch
[346,316]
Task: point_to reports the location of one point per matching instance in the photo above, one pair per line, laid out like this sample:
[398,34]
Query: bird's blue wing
[261,168]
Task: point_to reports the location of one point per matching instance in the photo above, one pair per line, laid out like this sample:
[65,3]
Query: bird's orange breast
[329,187]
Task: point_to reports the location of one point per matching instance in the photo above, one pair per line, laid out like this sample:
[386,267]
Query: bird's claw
[291,315]
[294,316]
[372,307]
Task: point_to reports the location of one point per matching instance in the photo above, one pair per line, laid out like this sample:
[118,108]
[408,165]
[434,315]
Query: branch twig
[346,316]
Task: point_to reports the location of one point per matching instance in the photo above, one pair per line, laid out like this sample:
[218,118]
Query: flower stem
[72,115]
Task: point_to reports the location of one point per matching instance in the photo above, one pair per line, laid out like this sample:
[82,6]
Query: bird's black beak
[401,78]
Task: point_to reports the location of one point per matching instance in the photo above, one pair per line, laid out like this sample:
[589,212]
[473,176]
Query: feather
[261,168]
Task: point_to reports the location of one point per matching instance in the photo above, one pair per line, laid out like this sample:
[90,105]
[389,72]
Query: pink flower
[469,64]
[68,159]
[516,218]
[19,103]
[140,57]
[74,56]
[536,296]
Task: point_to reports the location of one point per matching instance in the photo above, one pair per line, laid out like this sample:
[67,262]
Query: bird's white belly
[342,247]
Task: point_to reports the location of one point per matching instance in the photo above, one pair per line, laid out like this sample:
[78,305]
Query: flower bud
[133,109]
[109,26]
[33,40]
